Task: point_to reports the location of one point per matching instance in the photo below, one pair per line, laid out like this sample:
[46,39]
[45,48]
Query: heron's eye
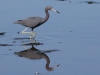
[50,8]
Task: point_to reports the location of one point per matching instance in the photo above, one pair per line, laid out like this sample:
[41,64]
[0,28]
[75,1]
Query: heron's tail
[17,22]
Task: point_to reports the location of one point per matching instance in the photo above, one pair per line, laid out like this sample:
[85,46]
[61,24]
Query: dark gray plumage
[33,22]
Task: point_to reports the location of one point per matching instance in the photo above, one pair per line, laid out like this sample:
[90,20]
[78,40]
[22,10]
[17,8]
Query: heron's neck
[47,15]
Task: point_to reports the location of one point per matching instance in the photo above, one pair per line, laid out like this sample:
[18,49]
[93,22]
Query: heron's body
[33,22]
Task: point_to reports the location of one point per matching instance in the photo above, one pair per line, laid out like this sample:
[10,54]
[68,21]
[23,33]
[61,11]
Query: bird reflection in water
[33,53]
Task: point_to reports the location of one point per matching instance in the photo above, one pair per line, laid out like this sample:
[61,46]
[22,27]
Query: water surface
[74,33]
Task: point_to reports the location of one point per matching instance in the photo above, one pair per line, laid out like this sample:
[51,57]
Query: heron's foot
[32,34]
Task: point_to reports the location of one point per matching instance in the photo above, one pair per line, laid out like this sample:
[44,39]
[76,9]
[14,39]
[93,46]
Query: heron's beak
[55,10]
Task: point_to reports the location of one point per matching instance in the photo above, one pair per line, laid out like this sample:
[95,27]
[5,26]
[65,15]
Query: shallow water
[70,39]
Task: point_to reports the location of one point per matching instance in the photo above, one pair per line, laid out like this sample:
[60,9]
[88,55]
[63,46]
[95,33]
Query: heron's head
[51,8]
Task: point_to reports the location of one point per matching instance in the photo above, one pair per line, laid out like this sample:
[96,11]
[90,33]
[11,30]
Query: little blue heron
[33,22]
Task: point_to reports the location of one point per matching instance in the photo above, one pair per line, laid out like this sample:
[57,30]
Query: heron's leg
[23,32]
[32,34]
